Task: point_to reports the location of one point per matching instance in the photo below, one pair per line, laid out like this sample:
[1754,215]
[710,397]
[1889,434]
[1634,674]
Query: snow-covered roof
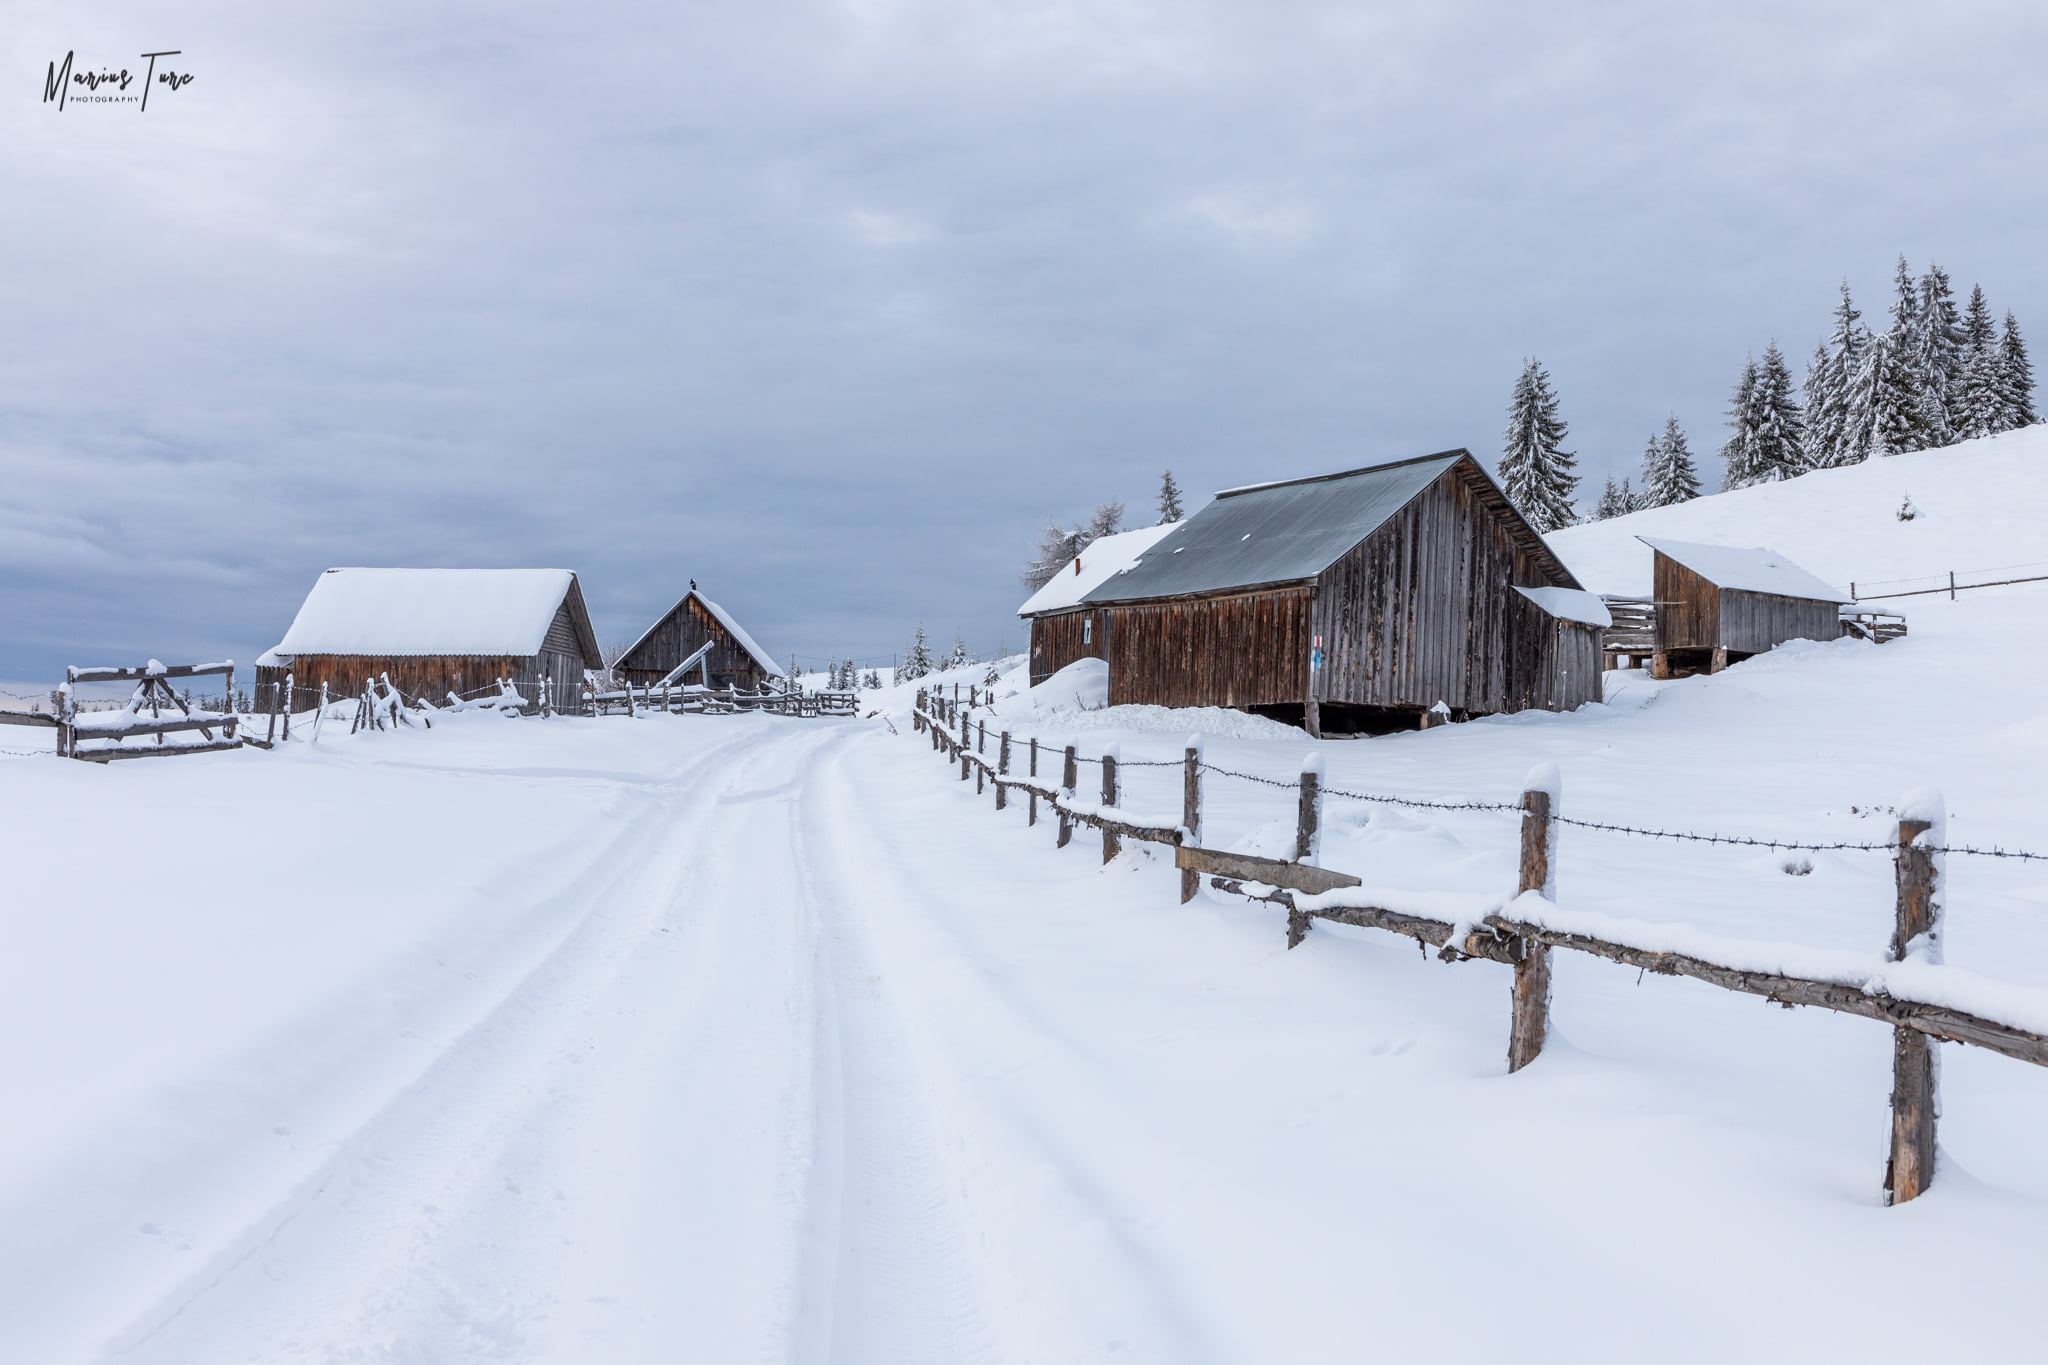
[1096,564]
[426,611]
[1571,604]
[1753,570]
[724,618]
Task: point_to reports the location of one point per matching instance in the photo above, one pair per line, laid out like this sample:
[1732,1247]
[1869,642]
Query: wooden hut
[1353,601]
[1717,605]
[734,661]
[436,631]
[1062,629]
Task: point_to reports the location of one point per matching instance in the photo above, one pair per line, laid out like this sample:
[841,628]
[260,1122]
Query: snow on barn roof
[1571,604]
[1101,559]
[426,611]
[724,618]
[1752,570]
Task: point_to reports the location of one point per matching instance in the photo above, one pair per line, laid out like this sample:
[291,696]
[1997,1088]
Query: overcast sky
[830,306]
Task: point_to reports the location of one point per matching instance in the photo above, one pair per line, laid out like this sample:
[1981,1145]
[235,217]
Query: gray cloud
[831,305]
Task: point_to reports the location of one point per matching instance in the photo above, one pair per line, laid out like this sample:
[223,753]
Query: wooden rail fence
[1517,932]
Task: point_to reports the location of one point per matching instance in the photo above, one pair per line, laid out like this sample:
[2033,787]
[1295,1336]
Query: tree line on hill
[1936,376]
[1057,544]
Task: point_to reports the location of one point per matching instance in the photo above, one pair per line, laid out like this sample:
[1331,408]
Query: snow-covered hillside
[1979,505]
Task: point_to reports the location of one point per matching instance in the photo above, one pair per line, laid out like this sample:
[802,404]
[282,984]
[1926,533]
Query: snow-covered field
[733,1038]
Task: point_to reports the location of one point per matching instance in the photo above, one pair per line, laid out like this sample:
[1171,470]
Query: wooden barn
[1717,605]
[734,661]
[1354,602]
[1062,629]
[436,631]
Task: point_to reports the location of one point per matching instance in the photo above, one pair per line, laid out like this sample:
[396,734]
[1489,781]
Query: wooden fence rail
[1519,931]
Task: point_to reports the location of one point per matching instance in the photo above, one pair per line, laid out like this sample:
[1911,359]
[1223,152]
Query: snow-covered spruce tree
[1169,499]
[960,657]
[1884,415]
[918,663]
[1831,435]
[872,681]
[1613,502]
[1741,467]
[2015,379]
[1904,331]
[1936,356]
[992,677]
[1973,404]
[1535,468]
[1668,473]
[1780,425]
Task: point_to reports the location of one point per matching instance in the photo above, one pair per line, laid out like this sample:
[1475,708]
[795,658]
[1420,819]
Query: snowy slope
[1981,504]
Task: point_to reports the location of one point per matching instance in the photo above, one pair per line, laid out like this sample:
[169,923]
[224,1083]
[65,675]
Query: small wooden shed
[735,660]
[1719,604]
[1353,601]
[1062,629]
[436,631]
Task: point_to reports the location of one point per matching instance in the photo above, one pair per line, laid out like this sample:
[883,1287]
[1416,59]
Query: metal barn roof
[1286,532]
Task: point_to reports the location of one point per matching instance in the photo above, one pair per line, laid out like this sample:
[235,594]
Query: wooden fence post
[1530,1014]
[1068,777]
[1031,794]
[1111,843]
[981,736]
[1002,770]
[1916,1073]
[965,747]
[1191,813]
[1308,820]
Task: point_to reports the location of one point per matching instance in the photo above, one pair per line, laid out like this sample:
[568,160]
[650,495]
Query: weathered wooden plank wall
[430,677]
[1688,607]
[1752,622]
[1056,641]
[1246,649]
[677,636]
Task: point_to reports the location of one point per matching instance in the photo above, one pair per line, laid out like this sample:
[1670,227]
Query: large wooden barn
[436,631]
[1354,602]
[1062,629]
[1717,605]
[734,661]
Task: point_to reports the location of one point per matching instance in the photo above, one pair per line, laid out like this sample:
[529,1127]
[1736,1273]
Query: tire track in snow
[463,1219]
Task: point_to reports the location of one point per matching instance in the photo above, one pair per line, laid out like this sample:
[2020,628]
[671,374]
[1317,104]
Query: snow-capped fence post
[321,714]
[1111,844]
[1916,1067]
[289,680]
[1191,813]
[981,737]
[1031,794]
[965,747]
[1530,1012]
[1308,819]
[1069,777]
[1002,770]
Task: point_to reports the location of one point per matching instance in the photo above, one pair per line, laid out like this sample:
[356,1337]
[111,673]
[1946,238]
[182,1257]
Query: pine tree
[1974,405]
[961,656]
[1884,414]
[1905,330]
[918,662]
[1738,452]
[1535,469]
[1780,426]
[1830,376]
[2015,380]
[1668,473]
[873,681]
[1169,499]
[1614,502]
[1936,357]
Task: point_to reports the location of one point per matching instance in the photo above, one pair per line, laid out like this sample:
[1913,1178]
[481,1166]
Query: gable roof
[724,618]
[399,612]
[1752,570]
[1096,563]
[1272,533]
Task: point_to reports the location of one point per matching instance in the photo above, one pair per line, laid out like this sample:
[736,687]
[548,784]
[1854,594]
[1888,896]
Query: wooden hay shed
[1353,601]
[1719,604]
[1062,628]
[735,660]
[435,631]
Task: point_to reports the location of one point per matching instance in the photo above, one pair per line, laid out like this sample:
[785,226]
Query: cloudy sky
[830,306]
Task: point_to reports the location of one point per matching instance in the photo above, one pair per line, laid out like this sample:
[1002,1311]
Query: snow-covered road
[739,1038]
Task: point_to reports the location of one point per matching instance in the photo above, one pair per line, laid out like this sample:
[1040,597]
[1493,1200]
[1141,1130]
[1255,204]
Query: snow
[425,611]
[731,1037]
[1094,566]
[758,654]
[1754,570]
[1570,604]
